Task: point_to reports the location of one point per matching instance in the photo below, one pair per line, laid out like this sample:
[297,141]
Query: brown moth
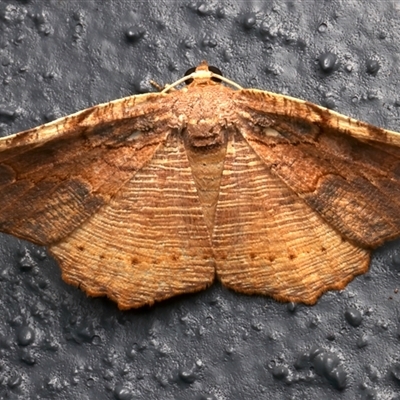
[155,195]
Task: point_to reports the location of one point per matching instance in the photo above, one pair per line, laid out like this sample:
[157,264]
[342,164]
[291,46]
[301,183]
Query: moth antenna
[201,75]
[228,81]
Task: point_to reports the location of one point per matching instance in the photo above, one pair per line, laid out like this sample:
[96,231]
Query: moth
[155,195]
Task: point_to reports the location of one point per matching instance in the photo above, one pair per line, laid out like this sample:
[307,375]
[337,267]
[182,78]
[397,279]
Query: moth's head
[203,74]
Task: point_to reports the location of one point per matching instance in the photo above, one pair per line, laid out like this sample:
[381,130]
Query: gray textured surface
[55,343]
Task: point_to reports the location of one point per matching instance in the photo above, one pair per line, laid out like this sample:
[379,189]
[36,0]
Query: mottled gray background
[57,57]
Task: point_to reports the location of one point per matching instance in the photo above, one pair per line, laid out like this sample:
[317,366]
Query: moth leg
[161,88]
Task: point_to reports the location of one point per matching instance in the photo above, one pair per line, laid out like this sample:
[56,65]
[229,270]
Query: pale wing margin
[75,123]
[291,107]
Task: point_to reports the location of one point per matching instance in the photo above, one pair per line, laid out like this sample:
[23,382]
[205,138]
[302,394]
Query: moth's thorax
[203,112]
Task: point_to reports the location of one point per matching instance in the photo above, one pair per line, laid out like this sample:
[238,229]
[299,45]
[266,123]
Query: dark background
[57,57]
